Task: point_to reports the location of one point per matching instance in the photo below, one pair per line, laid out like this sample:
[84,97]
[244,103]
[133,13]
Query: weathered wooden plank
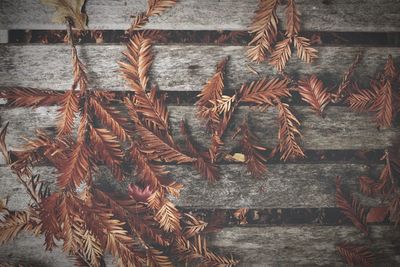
[176,67]
[284,186]
[256,246]
[317,15]
[340,129]
[3,36]
[302,245]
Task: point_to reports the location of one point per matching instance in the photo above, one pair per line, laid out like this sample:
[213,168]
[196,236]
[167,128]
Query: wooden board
[256,246]
[176,67]
[317,15]
[284,186]
[302,245]
[340,129]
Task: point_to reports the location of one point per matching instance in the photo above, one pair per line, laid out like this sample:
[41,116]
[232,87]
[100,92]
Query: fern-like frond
[263,92]
[383,105]
[203,164]
[281,54]
[304,50]
[390,71]
[196,251]
[264,26]
[252,150]
[154,7]
[67,113]
[168,217]
[148,173]
[76,168]
[111,118]
[91,248]
[344,85]
[288,131]
[139,58]
[13,224]
[79,70]
[210,95]
[362,100]
[292,19]
[356,255]
[354,211]
[193,226]
[30,97]
[107,149]
[313,92]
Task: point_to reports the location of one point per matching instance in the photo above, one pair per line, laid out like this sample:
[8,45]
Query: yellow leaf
[68,9]
[239,157]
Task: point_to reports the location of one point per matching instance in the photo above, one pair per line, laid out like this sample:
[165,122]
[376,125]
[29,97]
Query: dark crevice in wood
[205,37]
[274,216]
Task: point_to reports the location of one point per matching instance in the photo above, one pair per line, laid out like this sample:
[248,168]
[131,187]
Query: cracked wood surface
[175,67]
[317,15]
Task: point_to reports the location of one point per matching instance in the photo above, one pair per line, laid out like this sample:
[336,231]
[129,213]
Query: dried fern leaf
[193,226]
[157,258]
[390,71]
[281,54]
[148,173]
[288,131]
[344,85]
[113,237]
[157,149]
[68,9]
[354,211]
[304,50]
[110,118]
[203,163]
[255,160]
[108,149]
[13,224]
[91,249]
[313,92]
[292,19]
[79,71]
[77,167]
[154,7]
[383,105]
[264,26]
[30,97]
[196,252]
[67,113]
[362,100]
[356,255]
[263,92]
[210,95]
[168,217]
[139,60]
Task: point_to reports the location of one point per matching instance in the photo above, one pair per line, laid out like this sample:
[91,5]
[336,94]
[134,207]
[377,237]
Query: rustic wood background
[186,67]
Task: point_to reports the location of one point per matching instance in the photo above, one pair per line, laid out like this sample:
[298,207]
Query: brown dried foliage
[313,92]
[356,255]
[351,209]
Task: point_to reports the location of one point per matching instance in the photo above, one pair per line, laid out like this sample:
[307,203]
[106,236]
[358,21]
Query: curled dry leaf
[69,9]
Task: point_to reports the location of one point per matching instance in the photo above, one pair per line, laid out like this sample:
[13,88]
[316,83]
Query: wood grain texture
[284,186]
[317,15]
[176,67]
[340,129]
[302,245]
[3,36]
[256,246]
